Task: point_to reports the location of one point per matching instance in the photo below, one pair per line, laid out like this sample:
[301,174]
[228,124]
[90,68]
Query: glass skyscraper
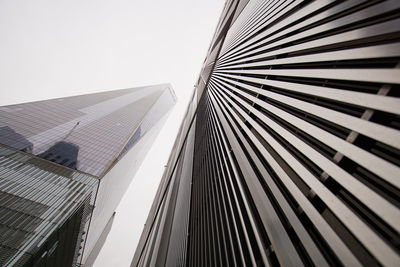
[289,154]
[64,166]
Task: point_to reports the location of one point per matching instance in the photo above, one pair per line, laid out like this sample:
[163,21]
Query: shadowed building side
[63,153]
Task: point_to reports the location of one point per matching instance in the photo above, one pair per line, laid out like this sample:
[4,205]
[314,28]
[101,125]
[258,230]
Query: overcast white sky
[56,48]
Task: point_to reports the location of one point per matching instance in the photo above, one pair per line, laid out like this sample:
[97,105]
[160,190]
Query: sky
[61,48]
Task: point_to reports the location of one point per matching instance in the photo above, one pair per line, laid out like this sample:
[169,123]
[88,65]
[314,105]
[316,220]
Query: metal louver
[296,148]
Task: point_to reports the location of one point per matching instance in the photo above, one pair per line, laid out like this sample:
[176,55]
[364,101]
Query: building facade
[289,151]
[64,166]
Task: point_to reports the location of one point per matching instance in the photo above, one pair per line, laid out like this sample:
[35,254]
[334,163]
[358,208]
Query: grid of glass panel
[36,198]
[84,132]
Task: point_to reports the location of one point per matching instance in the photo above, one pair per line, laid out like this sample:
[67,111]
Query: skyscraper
[65,164]
[289,151]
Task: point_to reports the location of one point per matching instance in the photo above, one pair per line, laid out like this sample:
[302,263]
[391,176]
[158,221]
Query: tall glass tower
[289,153]
[65,164]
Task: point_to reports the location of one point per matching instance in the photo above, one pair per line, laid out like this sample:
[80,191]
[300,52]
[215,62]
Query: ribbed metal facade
[289,151]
